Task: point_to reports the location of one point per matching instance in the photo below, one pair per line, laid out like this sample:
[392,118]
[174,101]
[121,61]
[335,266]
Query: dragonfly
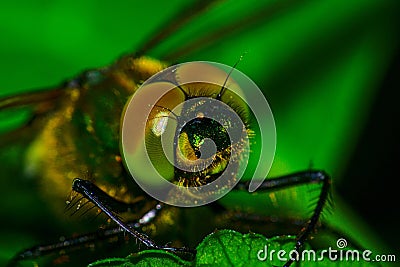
[267,16]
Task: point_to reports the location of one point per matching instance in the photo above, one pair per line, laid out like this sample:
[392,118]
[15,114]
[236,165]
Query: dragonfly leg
[299,178]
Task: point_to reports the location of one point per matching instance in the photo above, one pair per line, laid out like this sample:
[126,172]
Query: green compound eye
[199,129]
[187,128]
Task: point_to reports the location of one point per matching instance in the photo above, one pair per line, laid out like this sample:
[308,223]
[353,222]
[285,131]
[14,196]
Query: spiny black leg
[78,241]
[113,204]
[94,194]
[299,178]
[99,198]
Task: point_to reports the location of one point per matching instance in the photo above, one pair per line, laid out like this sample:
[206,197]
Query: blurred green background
[329,70]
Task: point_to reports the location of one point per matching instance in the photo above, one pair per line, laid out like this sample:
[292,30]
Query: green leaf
[144,259]
[230,248]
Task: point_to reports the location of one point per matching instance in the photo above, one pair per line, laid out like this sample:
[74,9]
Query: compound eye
[148,130]
[198,132]
[187,140]
[185,136]
[202,140]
